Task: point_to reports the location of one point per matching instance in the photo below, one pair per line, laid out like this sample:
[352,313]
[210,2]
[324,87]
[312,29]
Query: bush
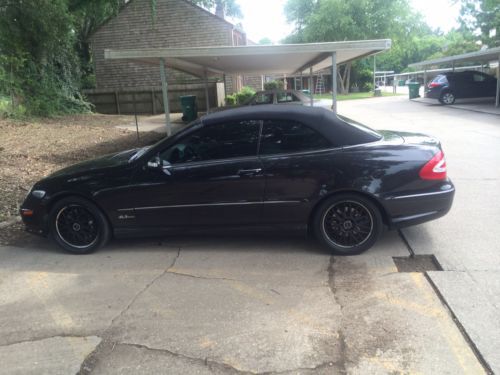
[244,95]
[367,87]
[362,78]
[274,85]
[230,100]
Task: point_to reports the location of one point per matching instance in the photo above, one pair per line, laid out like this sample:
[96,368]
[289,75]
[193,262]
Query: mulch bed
[30,150]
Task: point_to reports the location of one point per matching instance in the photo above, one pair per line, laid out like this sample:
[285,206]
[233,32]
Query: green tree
[37,41]
[482,17]
[337,20]
[265,41]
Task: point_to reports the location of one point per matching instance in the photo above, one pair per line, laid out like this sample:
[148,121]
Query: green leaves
[482,17]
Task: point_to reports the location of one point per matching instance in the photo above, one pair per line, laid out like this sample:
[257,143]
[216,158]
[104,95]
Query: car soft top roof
[337,131]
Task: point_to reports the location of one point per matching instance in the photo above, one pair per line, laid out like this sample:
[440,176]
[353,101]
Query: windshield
[360,126]
[139,153]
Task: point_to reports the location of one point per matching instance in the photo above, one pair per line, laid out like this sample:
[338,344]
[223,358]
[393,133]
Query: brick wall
[178,24]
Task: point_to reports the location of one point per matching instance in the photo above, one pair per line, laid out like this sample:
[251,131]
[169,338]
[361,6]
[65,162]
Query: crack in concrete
[201,277]
[89,362]
[210,363]
[340,333]
[148,285]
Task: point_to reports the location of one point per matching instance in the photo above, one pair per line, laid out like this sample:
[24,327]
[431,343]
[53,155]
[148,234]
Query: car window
[440,79]
[283,136]
[261,98]
[286,97]
[220,141]
[478,78]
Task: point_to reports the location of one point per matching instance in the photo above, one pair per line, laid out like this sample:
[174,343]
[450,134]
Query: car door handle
[249,172]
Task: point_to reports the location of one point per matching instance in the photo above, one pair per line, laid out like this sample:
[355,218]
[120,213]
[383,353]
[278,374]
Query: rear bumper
[432,94]
[412,209]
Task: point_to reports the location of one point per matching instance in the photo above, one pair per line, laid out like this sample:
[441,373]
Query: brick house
[177,23]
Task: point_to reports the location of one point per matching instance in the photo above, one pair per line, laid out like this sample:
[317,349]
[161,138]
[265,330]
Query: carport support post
[164,90]
[497,100]
[334,82]
[207,100]
[425,78]
[310,85]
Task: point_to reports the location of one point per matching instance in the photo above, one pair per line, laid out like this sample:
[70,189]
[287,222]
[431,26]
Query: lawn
[33,149]
[354,95]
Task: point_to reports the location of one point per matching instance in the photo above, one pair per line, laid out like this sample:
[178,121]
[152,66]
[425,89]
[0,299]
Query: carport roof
[483,55]
[271,59]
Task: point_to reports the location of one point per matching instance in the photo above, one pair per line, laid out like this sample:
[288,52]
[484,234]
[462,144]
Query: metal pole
[207,99]
[225,86]
[164,89]
[374,70]
[310,85]
[135,115]
[453,65]
[497,100]
[334,82]
[425,79]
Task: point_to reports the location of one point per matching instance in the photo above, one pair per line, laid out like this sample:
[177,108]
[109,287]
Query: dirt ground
[30,150]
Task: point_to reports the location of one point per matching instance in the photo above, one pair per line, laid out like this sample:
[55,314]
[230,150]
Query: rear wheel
[348,224]
[78,226]
[447,98]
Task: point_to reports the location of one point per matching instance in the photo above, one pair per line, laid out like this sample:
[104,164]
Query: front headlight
[38,193]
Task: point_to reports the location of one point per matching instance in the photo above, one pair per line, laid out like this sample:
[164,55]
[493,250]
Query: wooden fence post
[117,101]
[153,101]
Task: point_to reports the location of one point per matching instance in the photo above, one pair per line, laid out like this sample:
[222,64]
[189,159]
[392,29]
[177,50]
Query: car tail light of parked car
[434,84]
[434,169]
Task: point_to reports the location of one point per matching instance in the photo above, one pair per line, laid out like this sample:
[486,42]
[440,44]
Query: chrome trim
[205,205]
[423,194]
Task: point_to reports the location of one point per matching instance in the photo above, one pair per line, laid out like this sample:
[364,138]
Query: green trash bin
[189,108]
[413,89]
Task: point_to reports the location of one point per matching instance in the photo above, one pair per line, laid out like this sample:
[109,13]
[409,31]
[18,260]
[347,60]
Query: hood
[103,162]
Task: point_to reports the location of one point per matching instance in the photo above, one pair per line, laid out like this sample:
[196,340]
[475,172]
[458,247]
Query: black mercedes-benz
[251,166]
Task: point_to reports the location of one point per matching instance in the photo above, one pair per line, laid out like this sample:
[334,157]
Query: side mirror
[154,163]
[158,164]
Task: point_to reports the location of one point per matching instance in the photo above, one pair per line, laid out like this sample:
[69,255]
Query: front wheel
[447,98]
[348,224]
[78,226]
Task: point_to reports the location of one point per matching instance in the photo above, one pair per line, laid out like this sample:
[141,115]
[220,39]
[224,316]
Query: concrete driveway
[264,303]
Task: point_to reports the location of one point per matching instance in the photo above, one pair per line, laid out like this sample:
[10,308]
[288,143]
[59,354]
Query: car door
[210,177]
[297,164]
[483,85]
[464,86]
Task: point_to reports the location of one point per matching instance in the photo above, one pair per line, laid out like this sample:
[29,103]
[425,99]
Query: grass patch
[354,95]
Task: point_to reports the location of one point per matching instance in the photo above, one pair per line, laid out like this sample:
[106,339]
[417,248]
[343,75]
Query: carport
[483,56]
[289,59]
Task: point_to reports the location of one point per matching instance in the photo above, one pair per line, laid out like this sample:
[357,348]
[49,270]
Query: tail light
[434,84]
[434,169]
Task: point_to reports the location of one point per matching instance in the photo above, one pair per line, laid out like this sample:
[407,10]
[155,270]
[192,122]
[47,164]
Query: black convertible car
[250,166]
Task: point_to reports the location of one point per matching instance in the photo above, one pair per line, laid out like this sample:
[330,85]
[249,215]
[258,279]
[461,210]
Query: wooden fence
[148,100]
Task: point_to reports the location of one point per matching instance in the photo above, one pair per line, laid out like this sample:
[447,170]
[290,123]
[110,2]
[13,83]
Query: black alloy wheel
[348,224]
[78,226]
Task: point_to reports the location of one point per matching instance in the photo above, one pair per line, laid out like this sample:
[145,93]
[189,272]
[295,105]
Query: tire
[348,224]
[447,98]
[78,226]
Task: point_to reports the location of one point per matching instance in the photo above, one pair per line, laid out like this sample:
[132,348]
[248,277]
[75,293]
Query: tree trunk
[345,78]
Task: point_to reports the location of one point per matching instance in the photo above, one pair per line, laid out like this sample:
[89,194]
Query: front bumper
[34,213]
[417,208]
